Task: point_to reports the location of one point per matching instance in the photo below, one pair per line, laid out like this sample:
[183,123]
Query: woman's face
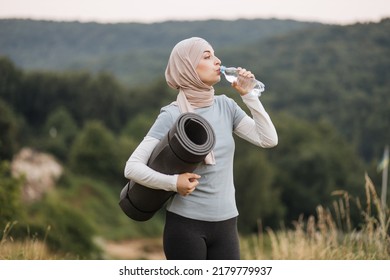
[208,68]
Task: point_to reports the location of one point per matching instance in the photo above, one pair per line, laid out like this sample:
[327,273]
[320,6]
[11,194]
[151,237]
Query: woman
[201,220]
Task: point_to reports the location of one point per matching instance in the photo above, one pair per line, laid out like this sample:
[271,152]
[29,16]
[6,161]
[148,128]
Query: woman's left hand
[244,83]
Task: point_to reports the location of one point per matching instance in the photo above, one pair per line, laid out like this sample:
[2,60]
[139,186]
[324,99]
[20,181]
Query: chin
[217,80]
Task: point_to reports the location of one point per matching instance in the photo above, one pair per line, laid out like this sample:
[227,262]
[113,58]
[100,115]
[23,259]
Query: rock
[40,170]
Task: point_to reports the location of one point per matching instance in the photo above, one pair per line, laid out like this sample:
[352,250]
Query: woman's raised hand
[244,83]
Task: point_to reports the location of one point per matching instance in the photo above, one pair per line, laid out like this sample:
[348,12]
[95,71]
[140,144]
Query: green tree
[60,131]
[137,127]
[9,127]
[257,200]
[312,160]
[10,79]
[96,153]
[10,196]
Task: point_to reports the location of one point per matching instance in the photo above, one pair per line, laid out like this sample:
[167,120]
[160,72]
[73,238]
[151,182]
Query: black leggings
[188,239]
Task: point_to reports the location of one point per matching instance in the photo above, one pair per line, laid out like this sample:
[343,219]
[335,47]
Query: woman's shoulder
[169,113]
[225,101]
[167,116]
[170,109]
[224,98]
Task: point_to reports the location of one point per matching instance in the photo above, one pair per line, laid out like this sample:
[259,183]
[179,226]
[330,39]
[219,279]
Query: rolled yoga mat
[182,149]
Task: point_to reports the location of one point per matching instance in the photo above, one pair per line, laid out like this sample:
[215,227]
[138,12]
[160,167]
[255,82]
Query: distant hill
[316,72]
[131,51]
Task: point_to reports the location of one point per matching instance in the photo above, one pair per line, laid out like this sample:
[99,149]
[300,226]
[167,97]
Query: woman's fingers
[186,183]
[244,82]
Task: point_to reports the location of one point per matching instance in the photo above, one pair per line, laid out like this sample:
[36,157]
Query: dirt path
[135,249]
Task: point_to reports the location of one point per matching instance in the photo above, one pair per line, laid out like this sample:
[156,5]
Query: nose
[217,61]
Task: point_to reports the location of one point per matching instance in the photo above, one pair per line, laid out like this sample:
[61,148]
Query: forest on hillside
[134,53]
[327,93]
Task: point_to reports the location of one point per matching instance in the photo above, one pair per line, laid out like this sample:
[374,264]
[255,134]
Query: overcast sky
[327,11]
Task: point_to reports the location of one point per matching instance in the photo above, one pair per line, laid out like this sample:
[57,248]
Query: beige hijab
[181,74]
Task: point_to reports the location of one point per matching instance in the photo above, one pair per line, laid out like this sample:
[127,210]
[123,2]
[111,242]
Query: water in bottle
[252,85]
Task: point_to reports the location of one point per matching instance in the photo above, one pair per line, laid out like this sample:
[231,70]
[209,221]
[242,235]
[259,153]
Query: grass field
[329,237]
[325,236]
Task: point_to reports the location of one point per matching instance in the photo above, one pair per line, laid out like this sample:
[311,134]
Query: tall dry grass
[28,249]
[329,237]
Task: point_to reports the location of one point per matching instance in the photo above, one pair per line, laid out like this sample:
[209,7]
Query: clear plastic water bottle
[252,85]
